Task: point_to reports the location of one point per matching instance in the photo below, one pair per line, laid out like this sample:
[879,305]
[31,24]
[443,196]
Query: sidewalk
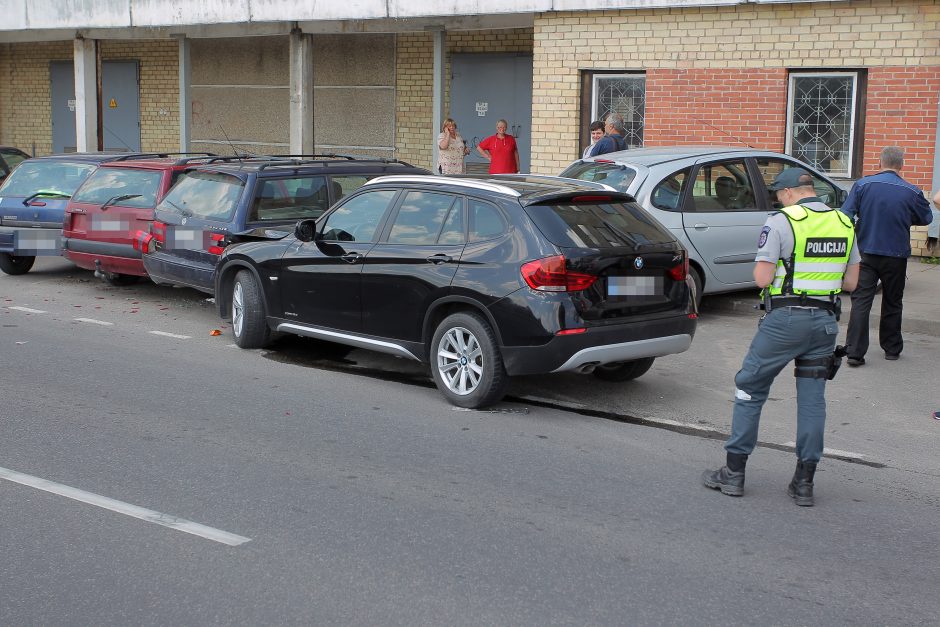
[921,301]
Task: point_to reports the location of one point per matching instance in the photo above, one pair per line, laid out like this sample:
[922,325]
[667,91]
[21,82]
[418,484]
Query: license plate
[634,285]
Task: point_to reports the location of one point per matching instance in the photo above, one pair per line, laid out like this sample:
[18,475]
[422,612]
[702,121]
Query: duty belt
[802,301]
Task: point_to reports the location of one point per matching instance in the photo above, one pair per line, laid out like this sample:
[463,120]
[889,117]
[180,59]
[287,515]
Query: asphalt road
[366,499]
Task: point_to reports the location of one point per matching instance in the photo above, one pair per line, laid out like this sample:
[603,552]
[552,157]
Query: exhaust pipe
[587,368]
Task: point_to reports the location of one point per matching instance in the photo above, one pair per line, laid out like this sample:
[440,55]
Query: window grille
[821,120]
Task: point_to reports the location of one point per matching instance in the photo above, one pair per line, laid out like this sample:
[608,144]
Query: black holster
[820,368]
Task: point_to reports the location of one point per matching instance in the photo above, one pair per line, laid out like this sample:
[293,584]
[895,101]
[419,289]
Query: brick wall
[158,63]
[27,116]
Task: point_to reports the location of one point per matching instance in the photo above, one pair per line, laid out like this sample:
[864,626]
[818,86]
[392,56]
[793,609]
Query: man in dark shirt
[614,140]
[885,207]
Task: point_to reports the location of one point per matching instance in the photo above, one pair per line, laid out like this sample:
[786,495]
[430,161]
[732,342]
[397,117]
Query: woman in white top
[452,149]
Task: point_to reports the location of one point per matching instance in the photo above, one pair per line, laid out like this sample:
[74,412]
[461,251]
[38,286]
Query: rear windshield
[208,195]
[46,176]
[617,176]
[107,183]
[602,225]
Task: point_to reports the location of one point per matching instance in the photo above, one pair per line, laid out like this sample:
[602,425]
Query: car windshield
[617,176]
[208,195]
[107,183]
[46,176]
[597,225]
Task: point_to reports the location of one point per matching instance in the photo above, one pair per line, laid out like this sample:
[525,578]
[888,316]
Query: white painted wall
[39,15]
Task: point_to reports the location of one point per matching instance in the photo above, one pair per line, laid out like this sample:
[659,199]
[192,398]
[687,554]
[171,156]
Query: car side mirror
[305,230]
[843,196]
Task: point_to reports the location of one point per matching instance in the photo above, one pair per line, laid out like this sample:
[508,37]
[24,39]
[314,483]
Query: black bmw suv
[482,278]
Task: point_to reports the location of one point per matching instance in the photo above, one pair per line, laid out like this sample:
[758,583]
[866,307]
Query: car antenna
[225,135]
[721,130]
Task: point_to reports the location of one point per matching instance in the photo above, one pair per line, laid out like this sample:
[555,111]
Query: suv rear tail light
[551,274]
[217,243]
[159,231]
[144,242]
[681,270]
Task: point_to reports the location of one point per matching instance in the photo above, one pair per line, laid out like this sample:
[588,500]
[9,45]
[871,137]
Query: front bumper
[31,241]
[603,345]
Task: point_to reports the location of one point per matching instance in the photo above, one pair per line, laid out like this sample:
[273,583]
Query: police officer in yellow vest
[806,255]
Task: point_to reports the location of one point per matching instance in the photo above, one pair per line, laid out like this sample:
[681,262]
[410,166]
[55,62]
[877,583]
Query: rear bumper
[112,257]
[169,270]
[28,241]
[603,345]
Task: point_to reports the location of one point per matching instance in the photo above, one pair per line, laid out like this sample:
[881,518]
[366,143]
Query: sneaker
[855,362]
[891,357]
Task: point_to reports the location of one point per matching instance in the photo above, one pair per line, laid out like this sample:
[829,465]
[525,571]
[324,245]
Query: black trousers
[893,273]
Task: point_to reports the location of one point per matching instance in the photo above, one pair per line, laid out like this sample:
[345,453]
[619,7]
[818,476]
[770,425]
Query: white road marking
[93,321]
[148,515]
[26,309]
[832,451]
[176,335]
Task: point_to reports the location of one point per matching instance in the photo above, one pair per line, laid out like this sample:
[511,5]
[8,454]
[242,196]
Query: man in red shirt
[500,150]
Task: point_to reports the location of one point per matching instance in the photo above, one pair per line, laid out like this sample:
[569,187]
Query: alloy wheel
[238,309]
[460,361]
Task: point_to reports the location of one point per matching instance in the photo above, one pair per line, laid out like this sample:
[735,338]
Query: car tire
[16,264]
[249,325]
[122,280]
[625,370]
[466,363]
[697,280]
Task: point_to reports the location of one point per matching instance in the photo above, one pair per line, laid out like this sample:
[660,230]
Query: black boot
[801,486]
[729,478]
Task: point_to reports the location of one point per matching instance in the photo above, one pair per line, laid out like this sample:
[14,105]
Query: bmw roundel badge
[638,263]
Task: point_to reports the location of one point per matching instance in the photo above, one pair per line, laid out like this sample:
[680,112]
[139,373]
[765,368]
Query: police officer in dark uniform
[806,256]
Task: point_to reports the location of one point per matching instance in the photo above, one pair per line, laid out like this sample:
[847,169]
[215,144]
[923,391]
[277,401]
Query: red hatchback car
[112,205]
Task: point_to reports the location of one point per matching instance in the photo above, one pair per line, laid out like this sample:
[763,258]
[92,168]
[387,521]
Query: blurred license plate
[634,285]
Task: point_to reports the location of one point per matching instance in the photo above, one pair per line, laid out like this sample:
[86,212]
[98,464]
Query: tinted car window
[290,199]
[598,225]
[207,195]
[12,159]
[770,168]
[617,176]
[420,218]
[34,176]
[722,187]
[345,185]
[453,231]
[486,221]
[667,193]
[358,219]
[106,183]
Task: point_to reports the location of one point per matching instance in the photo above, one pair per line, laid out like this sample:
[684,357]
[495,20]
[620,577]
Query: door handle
[440,258]
[351,257]
[700,227]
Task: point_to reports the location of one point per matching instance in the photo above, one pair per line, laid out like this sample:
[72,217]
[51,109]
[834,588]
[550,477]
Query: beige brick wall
[25,101]
[861,33]
[158,63]
[414,70]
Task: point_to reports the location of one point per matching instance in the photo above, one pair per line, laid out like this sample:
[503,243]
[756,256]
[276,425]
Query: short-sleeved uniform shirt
[776,238]
[502,153]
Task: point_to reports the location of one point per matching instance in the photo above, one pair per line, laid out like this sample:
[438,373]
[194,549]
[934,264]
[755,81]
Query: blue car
[210,204]
[32,206]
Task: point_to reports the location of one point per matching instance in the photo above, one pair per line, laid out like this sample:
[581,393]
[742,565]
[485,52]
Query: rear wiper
[27,200]
[115,199]
[179,210]
[626,237]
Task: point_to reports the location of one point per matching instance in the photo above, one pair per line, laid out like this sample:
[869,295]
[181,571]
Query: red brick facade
[725,107]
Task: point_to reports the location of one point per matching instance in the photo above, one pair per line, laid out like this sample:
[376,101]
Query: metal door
[120,95]
[485,88]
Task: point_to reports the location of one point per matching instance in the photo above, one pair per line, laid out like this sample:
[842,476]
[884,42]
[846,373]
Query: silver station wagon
[714,199]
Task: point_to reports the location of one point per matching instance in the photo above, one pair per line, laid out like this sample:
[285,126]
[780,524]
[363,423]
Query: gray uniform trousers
[783,335]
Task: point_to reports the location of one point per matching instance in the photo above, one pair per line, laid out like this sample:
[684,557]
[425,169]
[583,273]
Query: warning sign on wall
[112,104]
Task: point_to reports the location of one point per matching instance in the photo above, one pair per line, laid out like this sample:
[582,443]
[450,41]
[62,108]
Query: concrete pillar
[86,95]
[301,93]
[437,113]
[186,96]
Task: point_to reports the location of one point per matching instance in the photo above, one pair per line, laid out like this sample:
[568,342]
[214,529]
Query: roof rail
[445,180]
[140,155]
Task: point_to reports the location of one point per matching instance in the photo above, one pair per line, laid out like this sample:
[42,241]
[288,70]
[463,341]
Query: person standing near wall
[452,149]
[500,150]
[615,138]
[806,255]
[597,131]
[885,207]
